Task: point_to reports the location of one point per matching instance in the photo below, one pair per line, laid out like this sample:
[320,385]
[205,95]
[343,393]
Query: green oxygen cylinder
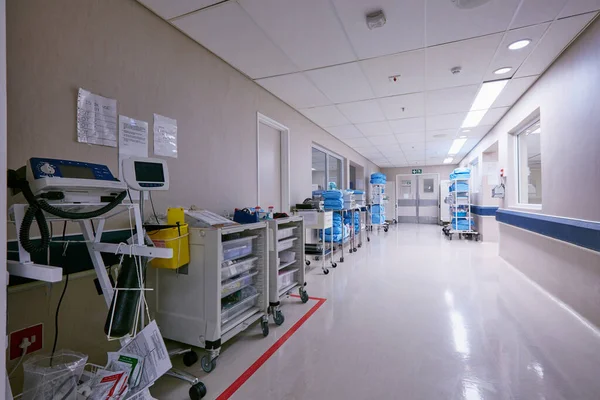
[125,302]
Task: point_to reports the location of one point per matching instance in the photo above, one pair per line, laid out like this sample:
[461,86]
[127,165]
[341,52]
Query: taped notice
[96,119]
[133,142]
[165,136]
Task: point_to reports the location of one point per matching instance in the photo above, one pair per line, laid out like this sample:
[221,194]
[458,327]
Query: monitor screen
[77,172]
[149,172]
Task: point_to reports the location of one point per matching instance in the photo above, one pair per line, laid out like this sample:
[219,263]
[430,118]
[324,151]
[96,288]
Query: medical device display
[146,173]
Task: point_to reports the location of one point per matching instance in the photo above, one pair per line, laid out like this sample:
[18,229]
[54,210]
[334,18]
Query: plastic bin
[172,238]
[48,378]
[237,248]
[287,277]
[287,256]
[284,233]
[286,244]
[233,285]
[247,299]
[230,269]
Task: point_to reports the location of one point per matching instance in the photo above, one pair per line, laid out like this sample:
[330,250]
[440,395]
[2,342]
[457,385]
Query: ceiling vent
[468,4]
[376,19]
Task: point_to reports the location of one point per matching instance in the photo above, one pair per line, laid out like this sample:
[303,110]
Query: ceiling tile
[344,132]
[394,155]
[404,106]
[369,151]
[383,140]
[325,116]
[558,36]
[513,91]
[230,33]
[390,148]
[295,89]
[375,128]
[446,121]
[404,138]
[477,132]
[438,147]
[441,136]
[534,12]
[407,125]
[575,7]
[514,58]
[408,65]
[447,23]
[493,116]
[362,111]
[416,147]
[319,43]
[174,8]
[453,100]
[404,30]
[358,142]
[473,56]
[342,83]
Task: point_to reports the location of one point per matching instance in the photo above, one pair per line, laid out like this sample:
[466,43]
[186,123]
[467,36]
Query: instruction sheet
[165,136]
[96,119]
[133,142]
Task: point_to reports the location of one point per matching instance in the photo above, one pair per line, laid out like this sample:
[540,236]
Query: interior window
[529,153]
[335,171]
[319,173]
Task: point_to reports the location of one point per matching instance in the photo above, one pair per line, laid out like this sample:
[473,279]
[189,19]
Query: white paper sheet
[133,142]
[150,345]
[96,119]
[165,136]
[311,218]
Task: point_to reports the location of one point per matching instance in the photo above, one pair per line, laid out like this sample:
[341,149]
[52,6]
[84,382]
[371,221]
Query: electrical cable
[153,210]
[64,254]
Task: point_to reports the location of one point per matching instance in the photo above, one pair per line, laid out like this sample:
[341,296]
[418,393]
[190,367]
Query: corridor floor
[413,316]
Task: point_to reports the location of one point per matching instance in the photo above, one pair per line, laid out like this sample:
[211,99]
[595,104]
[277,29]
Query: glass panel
[335,171]
[428,185]
[530,165]
[405,189]
[319,176]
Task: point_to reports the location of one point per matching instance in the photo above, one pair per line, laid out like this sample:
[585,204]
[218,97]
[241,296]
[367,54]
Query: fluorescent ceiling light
[462,137]
[519,44]
[488,94]
[466,130]
[473,118]
[448,160]
[457,144]
[501,71]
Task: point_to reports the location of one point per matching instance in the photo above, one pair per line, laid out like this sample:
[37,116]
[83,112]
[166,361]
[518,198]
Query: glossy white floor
[415,316]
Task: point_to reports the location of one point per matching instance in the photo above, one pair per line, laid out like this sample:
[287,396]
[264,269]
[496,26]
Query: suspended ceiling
[320,57]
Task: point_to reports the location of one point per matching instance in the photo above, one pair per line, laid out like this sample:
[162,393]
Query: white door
[444,208]
[269,167]
[391,206]
[428,205]
[406,198]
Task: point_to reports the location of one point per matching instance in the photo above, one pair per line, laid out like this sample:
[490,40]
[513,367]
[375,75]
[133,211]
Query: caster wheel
[368,239]
[207,364]
[325,271]
[303,296]
[197,391]
[316,258]
[355,249]
[335,264]
[450,237]
[265,328]
[341,260]
[190,358]
[395,222]
[351,251]
[385,229]
[278,318]
[307,262]
[360,245]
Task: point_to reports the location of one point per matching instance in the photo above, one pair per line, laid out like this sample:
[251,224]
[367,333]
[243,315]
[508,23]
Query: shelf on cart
[237,284]
[238,309]
[286,244]
[317,253]
[285,232]
[285,265]
[237,248]
[229,269]
[286,289]
[242,317]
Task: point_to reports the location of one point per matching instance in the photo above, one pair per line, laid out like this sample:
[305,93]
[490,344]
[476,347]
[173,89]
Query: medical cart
[377,207]
[459,203]
[222,291]
[286,262]
[318,220]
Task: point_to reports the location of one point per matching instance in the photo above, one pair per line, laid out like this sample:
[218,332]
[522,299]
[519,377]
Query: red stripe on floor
[262,359]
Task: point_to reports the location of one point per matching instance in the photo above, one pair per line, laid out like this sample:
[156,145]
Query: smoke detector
[468,4]
[376,19]
[456,70]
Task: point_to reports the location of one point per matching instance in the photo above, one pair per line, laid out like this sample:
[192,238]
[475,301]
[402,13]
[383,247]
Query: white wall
[443,170]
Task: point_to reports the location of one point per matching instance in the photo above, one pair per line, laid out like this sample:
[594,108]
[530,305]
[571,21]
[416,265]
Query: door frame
[285,159]
[417,191]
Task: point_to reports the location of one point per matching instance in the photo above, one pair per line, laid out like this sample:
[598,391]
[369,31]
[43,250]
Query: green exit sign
[417,171]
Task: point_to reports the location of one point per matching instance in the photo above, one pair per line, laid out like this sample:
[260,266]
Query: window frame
[517,162]
[329,153]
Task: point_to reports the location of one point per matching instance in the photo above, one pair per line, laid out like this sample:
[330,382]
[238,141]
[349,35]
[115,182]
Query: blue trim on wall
[580,233]
[484,211]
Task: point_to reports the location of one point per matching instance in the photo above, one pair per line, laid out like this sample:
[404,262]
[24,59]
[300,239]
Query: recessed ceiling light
[519,44]
[457,144]
[501,71]
[466,130]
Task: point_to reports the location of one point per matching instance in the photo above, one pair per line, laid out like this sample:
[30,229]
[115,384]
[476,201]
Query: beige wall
[120,50]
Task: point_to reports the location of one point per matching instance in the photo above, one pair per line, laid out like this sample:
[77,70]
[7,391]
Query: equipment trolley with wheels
[222,291]
[286,262]
[315,220]
[459,201]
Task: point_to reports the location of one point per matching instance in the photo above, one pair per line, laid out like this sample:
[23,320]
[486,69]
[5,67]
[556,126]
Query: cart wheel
[190,358]
[278,318]
[359,245]
[394,221]
[477,238]
[197,391]
[333,265]
[265,328]
[355,249]
[316,259]
[341,259]
[385,229]
[350,250]
[303,295]
[307,262]
[207,364]
[325,271]
[450,236]
[368,239]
